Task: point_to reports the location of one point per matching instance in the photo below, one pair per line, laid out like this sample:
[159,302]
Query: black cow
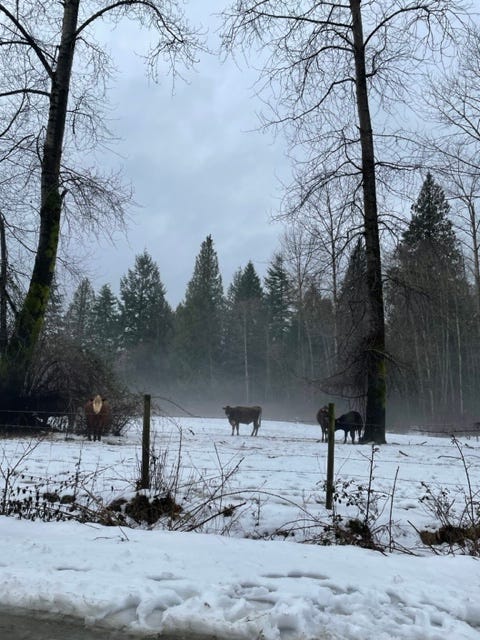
[350,423]
[244,415]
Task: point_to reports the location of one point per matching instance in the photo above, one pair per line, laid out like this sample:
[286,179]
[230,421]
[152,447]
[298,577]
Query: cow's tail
[260,417]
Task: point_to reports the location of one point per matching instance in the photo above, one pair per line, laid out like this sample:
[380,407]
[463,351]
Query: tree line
[276,342]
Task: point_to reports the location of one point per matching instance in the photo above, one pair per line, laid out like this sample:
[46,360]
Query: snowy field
[231,565]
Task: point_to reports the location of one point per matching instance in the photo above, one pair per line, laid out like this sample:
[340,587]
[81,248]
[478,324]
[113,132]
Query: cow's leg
[346,434]
[238,428]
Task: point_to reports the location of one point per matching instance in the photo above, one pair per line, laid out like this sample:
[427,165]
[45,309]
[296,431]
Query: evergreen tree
[352,326]
[145,320]
[107,322]
[319,331]
[249,286]
[246,332]
[55,313]
[278,300]
[430,227]
[428,307]
[278,303]
[199,320]
[79,319]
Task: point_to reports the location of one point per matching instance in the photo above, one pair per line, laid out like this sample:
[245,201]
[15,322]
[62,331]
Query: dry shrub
[63,378]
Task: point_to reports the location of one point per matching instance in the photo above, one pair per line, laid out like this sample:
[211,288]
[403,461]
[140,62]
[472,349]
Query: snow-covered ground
[246,575]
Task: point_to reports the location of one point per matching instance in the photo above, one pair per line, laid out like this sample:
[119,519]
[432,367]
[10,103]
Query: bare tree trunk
[376,373]
[461,404]
[333,250]
[475,249]
[245,356]
[418,369]
[428,376]
[29,322]
[3,288]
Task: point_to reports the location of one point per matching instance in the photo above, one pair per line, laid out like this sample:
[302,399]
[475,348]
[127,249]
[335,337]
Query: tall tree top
[430,217]
[206,282]
[248,285]
[278,294]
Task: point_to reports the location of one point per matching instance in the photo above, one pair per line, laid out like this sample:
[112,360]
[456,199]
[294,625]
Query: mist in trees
[281,341]
[431,310]
[145,320]
[343,76]
[199,323]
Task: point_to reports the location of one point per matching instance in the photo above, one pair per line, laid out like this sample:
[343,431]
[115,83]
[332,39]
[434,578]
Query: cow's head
[97,404]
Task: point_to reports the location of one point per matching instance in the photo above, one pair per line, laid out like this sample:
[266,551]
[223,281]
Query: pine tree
[145,319]
[278,304]
[246,332]
[352,326]
[278,300]
[317,346]
[428,307]
[430,223]
[249,286]
[106,322]
[55,313]
[79,319]
[199,320]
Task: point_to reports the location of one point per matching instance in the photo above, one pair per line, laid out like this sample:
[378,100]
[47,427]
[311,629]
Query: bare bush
[63,378]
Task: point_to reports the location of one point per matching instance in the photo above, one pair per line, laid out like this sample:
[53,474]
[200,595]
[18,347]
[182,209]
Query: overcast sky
[198,166]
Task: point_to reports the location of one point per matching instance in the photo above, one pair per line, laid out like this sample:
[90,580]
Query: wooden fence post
[145,479]
[330,455]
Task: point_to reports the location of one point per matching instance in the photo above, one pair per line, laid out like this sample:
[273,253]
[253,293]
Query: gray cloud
[198,167]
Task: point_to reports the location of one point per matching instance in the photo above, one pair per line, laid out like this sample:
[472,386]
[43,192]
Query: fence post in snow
[330,454]
[145,479]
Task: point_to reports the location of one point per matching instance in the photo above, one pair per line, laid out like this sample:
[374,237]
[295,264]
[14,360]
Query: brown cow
[244,415]
[350,423]
[98,416]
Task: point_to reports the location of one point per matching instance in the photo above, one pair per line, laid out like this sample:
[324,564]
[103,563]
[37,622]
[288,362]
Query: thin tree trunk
[458,335]
[268,373]
[333,251]
[429,380]
[475,248]
[245,356]
[3,287]
[418,358]
[376,370]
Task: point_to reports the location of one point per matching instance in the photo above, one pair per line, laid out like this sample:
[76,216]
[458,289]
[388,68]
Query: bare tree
[453,103]
[50,110]
[324,63]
